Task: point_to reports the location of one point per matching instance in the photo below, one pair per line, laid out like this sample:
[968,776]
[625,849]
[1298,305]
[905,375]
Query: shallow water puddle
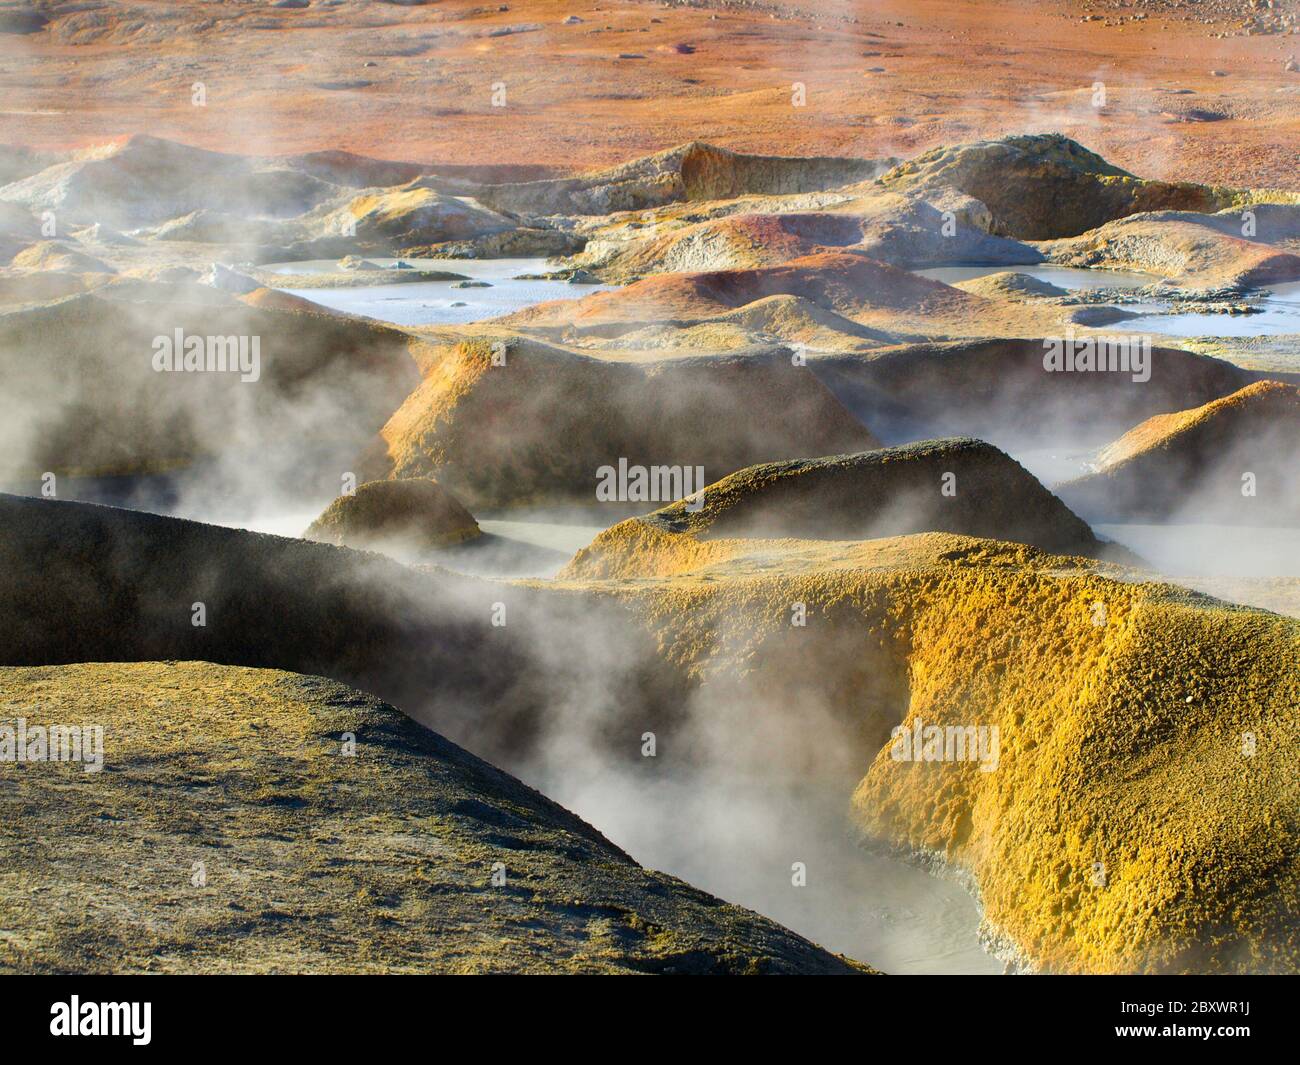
[1279,315]
[438,302]
[1278,311]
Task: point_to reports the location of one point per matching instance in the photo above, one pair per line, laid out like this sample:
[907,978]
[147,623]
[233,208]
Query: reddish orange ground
[952,71]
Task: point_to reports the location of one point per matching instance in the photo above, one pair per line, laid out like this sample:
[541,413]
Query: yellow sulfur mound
[1231,460]
[1136,811]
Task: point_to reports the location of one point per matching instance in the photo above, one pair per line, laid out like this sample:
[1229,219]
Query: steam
[736,776]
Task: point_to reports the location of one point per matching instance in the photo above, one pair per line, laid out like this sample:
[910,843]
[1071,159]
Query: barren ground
[886,78]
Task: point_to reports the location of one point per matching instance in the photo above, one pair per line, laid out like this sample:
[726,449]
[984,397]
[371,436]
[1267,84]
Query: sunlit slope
[1232,460]
[1142,813]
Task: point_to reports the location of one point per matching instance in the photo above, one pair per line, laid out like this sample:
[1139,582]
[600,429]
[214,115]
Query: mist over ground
[322,332]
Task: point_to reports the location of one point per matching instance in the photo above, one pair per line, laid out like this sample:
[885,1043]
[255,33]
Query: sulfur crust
[1125,829]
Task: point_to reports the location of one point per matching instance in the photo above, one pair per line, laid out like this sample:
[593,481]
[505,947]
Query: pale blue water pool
[438,302]
[1279,310]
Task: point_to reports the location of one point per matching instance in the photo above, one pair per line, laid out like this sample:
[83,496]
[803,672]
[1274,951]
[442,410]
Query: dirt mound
[738,242]
[1128,815]
[215,227]
[506,420]
[693,171]
[1231,460]
[1046,186]
[21,288]
[944,227]
[785,320]
[799,320]
[894,229]
[1009,285]
[712,173]
[411,215]
[290,207]
[960,486]
[384,221]
[1186,249]
[146,180]
[424,827]
[845,283]
[999,390]
[80,582]
[60,258]
[406,515]
[104,385]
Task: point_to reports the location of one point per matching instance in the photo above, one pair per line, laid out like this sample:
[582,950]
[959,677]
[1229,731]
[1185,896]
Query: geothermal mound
[998,390]
[1133,812]
[1045,186]
[843,282]
[1232,460]
[511,420]
[145,180]
[80,582]
[738,242]
[58,257]
[1009,285]
[1190,250]
[895,229]
[884,226]
[960,486]
[694,171]
[416,515]
[411,215]
[319,205]
[301,825]
[85,373]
